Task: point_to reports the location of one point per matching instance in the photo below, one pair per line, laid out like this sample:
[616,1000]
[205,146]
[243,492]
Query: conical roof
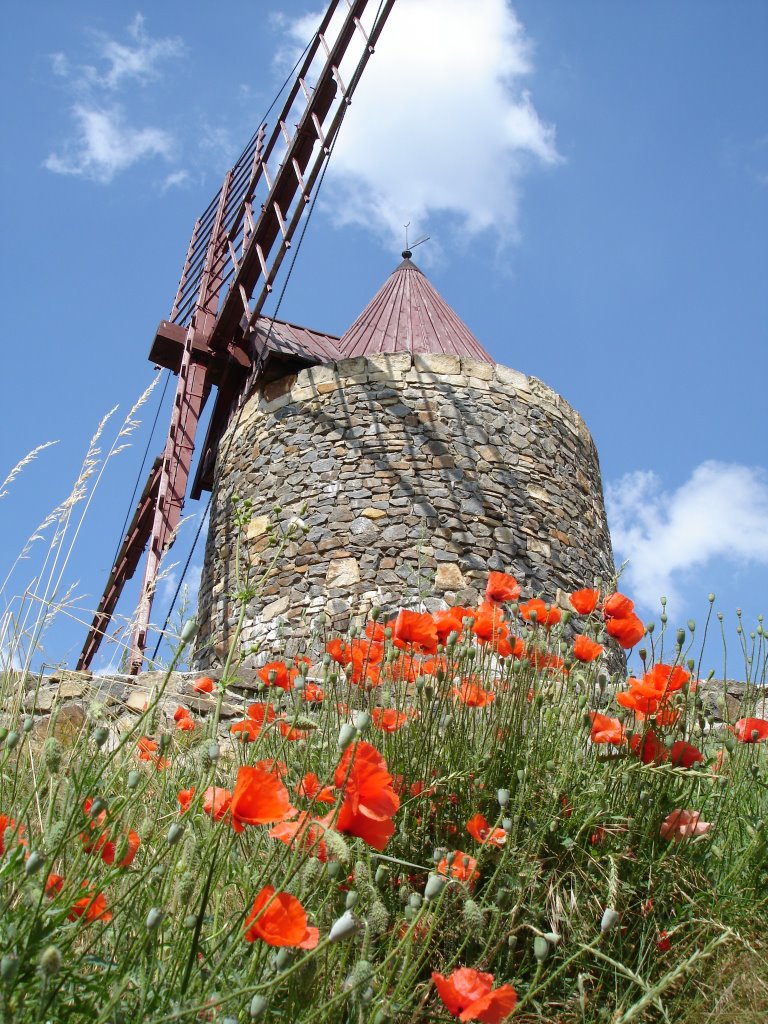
[408,315]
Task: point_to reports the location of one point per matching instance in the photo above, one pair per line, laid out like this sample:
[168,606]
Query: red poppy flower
[479,829]
[544,614]
[277,673]
[684,755]
[617,606]
[666,678]
[649,748]
[584,601]
[216,801]
[185,797]
[247,729]
[311,788]
[416,628]
[586,650]
[53,885]
[473,695]
[460,866]
[278,919]
[388,719]
[259,798]
[204,685]
[681,823]
[375,631]
[663,943]
[290,732]
[642,704]
[306,832]
[447,621]
[6,823]
[92,906]
[313,694]
[146,748]
[369,800]
[339,651]
[183,719]
[606,730]
[501,587]
[469,995]
[747,730]
[545,662]
[625,631]
[488,623]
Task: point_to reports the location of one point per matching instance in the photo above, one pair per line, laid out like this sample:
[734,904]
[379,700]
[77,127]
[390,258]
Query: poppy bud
[361,720]
[333,869]
[11,740]
[414,900]
[154,919]
[347,734]
[352,900]
[258,1007]
[540,949]
[100,736]
[609,920]
[643,654]
[650,627]
[511,941]
[213,752]
[175,832]
[133,780]
[381,874]
[188,630]
[50,961]
[343,927]
[34,862]
[435,885]
[502,795]
[552,938]
[378,918]
[28,723]
[9,965]
[52,754]
[97,807]
[282,959]
[506,824]
[680,637]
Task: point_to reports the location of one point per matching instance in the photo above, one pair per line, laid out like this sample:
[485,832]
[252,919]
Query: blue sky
[594,179]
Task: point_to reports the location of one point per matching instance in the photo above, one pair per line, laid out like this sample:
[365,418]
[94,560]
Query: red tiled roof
[408,315]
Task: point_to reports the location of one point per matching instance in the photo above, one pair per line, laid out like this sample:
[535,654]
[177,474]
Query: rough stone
[343,573]
[449,577]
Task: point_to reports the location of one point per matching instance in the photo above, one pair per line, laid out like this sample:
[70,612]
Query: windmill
[215,335]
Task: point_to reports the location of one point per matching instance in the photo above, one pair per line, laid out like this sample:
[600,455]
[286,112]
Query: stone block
[373,513]
[449,577]
[266,406]
[342,572]
[477,368]
[511,378]
[257,527]
[275,608]
[358,366]
[388,364]
[443,365]
[538,547]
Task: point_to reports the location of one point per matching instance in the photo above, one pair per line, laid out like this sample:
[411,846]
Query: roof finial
[408,250]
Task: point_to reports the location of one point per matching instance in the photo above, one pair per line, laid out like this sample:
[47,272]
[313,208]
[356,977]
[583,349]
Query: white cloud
[104,141]
[440,122]
[720,512]
[105,144]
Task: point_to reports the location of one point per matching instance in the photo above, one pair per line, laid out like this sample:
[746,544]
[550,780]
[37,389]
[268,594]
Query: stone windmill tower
[422,462]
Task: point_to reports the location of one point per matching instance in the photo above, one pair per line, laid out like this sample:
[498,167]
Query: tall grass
[417,797]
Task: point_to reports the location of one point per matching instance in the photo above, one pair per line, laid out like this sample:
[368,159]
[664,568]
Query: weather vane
[408,250]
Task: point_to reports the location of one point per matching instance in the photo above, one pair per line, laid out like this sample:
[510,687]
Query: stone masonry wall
[419,473]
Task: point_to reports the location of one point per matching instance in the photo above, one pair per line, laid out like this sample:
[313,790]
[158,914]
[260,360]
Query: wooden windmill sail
[214,336]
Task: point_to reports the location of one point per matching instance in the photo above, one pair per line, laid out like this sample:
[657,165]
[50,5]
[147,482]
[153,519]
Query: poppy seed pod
[361,720]
[34,862]
[154,919]
[213,752]
[11,740]
[352,900]
[257,1007]
[609,920]
[190,921]
[28,723]
[133,780]
[175,832]
[100,736]
[343,927]
[435,885]
[502,795]
[347,734]
[540,949]
[188,630]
